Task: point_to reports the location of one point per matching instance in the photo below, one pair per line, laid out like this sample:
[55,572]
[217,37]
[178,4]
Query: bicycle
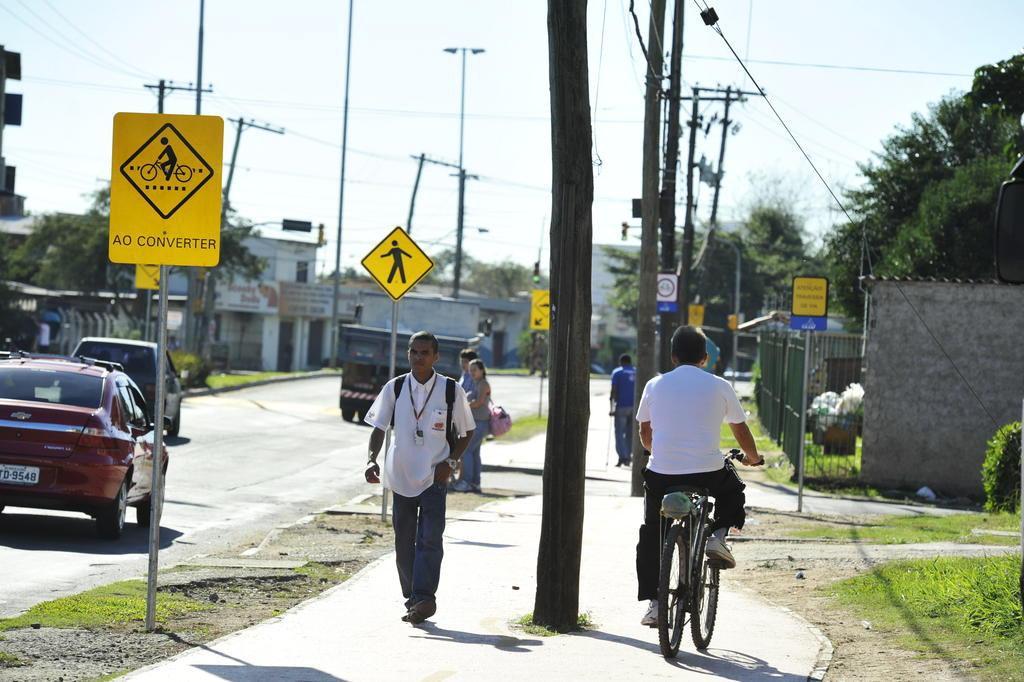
[688,583]
[150,171]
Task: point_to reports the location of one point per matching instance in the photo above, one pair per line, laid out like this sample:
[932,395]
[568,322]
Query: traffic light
[536,274]
[733,322]
[10,112]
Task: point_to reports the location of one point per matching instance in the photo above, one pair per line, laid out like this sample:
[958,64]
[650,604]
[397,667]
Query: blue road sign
[668,307]
[808,324]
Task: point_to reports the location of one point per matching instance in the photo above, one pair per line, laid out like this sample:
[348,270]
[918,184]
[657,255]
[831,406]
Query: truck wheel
[348,414]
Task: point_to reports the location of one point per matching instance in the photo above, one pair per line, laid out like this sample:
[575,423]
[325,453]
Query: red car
[74,436]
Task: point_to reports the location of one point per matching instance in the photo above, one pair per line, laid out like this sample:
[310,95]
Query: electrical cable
[597,90]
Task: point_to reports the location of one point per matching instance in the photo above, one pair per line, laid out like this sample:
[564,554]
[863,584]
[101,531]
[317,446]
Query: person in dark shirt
[621,407]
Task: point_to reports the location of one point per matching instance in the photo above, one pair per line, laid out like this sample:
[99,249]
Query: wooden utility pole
[646,335]
[572,192]
[667,211]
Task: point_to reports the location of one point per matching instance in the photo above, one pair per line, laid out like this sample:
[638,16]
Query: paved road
[247,461]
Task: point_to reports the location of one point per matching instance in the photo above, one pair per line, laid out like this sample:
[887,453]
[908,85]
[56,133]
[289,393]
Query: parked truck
[365,356]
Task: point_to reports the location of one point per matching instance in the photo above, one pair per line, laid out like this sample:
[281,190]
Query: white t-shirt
[409,468]
[686,408]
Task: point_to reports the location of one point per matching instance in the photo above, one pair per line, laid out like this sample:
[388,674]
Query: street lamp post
[462,170]
[341,197]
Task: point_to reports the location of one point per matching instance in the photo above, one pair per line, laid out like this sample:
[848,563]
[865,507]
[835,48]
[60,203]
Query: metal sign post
[803,424]
[156,490]
[387,436]
[165,209]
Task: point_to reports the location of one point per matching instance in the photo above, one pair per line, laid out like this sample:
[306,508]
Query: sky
[283,64]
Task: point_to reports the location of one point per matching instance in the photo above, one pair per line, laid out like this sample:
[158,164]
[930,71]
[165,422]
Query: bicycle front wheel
[672,597]
[704,606]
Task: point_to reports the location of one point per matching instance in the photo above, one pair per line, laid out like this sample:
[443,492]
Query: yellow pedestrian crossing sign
[540,309]
[147,276]
[696,315]
[165,189]
[397,264]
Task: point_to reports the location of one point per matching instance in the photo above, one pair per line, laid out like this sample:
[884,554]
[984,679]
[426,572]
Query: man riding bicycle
[680,415]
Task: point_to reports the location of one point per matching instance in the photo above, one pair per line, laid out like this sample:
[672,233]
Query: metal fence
[831,399]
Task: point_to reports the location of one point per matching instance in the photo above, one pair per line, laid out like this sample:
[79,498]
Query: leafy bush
[1001,471]
[192,369]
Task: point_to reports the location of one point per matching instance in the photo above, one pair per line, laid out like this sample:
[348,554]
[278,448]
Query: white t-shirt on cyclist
[686,408]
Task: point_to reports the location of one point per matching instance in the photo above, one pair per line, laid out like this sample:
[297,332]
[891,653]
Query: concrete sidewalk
[354,631]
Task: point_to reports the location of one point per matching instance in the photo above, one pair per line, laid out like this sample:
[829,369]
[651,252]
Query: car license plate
[12,474]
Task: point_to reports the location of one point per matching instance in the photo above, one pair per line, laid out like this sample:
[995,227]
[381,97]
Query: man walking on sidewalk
[621,399]
[432,425]
[680,415]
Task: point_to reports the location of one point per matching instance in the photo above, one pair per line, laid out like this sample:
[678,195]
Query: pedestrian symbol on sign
[397,254]
[397,263]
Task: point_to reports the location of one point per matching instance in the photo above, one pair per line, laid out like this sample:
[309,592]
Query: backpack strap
[399,384]
[449,398]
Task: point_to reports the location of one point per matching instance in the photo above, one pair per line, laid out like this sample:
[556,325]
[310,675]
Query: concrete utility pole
[205,337]
[462,171]
[667,211]
[686,258]
[192,332]
[686,264]
[341,197]
[646,332]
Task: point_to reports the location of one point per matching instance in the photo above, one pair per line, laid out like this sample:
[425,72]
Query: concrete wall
[922,425]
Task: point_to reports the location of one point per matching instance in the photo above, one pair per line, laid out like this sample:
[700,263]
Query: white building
[280,322]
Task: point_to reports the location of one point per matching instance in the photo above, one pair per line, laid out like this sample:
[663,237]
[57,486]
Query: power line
[85,35]
[835,67]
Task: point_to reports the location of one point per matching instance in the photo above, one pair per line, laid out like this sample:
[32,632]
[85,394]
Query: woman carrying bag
[479,405]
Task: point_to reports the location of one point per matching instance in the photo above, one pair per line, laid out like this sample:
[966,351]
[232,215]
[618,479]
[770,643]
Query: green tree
[499,280]
[927,203]
[14,323]
[624,296]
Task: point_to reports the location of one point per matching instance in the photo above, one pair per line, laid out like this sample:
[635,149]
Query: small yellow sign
[696,318]
[397,264]
[810,296]
[540,309]
[147,276]
[734,321]
[165,190]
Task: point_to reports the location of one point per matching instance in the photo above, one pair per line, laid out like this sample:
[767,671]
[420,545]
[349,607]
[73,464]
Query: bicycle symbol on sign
[166,164]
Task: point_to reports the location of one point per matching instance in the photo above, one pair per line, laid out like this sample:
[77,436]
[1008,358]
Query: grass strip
[956,608]
[524,428]
[119,603]
[231,380]
[895,530]
[583,622]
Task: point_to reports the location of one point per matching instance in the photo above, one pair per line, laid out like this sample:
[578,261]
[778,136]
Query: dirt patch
[796,575]
[326,549]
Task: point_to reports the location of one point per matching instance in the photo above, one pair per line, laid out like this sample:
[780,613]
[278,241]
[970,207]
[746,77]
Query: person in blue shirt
[622,397]
[466,356]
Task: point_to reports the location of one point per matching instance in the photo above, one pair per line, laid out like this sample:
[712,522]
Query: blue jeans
[419,526]
[624,433]
[471,464]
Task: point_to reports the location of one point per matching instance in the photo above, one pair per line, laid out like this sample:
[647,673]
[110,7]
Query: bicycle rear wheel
[704,606]
[672,597]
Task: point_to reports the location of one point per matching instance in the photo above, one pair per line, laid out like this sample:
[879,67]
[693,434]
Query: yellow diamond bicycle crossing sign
[397,264]
[165,189]
[540,309]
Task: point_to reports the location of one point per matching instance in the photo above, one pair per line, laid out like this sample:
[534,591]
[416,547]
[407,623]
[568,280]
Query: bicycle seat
[676,505]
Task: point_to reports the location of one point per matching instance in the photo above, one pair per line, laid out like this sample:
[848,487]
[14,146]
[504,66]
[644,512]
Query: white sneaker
[650,618]
[718,552]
